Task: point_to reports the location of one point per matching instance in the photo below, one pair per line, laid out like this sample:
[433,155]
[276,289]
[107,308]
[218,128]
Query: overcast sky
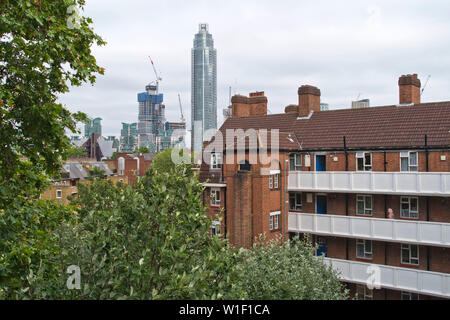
[345,48]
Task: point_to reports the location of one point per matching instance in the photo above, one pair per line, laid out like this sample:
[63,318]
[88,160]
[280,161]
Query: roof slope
[374,127]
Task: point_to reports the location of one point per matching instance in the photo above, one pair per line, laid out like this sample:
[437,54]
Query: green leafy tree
[288,271]
[44,47]
[76,152]
[147,241]
[142,149]
[163,162]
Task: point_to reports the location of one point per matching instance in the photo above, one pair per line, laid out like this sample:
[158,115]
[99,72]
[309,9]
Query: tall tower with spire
[203,88]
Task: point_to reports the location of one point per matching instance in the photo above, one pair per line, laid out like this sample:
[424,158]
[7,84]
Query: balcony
[405,279]
[392,230]
[410,183]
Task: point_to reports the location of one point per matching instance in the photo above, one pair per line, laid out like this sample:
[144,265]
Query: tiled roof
[374,127]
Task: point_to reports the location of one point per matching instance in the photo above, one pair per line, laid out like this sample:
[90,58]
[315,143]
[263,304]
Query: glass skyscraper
[203,88]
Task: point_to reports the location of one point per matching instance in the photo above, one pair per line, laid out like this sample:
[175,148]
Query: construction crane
[426,82]
[181,109]
[158,77]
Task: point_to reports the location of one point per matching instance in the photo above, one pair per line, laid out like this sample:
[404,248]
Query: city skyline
[267,47]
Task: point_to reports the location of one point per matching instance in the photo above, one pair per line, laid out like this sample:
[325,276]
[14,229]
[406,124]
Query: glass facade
[204,87]
[93,126]
[128,137]
[151,117]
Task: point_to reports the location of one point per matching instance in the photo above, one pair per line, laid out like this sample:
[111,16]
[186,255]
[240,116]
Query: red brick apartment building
[336,175]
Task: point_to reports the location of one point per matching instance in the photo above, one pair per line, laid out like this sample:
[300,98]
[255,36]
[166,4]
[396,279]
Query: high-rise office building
[204,88]
[128,137]
[93,126]
[364,103]
[151,117]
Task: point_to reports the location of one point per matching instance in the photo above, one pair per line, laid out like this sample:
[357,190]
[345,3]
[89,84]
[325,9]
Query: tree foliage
[76,152]
[287,271]
[42,52]
[142,149]
[163,162]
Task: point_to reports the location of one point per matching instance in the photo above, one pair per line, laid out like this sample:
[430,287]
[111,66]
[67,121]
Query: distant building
[98,147]
[324,106]
[128,137]
[203,87]
[227,113]
[74,172]
[93,126]
[151,117]
[130,165]
[364,103]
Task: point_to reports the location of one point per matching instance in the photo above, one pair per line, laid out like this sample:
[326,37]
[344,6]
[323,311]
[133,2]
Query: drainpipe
[137,171]
[224,198]
[284,197]
[346,196]
[427,200]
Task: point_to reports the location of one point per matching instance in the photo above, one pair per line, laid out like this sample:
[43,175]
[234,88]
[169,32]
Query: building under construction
[154,131]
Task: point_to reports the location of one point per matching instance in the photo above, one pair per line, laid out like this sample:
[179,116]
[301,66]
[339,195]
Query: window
[364,205]
[408,161]
[216,161]
[273,181]
[295,162]
[58,194]
[410,254]
[364,161]
[363,292]
[274,220]
[409,296]
[215,196]
[295,201]
[364,249]
[215,228]
[409,207]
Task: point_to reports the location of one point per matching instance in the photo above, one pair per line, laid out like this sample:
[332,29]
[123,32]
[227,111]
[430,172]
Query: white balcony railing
[411,183]
[405,279]
[392,230]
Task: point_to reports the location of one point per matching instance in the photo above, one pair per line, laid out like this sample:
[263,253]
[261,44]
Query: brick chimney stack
[254,105]
[409,89]
[308,100]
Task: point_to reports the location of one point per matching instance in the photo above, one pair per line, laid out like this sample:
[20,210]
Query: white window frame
[366,293]
[367,254]
[407,154]
[59,192]
[297,165]
[362,155]
[410,258]
[274,181]
[213,197]
[404,200]
[216,161]
[215,228]
[364,196]
[274,223]
[298,206]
